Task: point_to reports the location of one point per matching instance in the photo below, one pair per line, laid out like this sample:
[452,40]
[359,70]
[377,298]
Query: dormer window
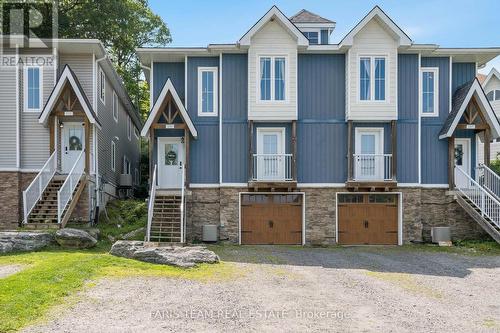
[272,78]
[312,36]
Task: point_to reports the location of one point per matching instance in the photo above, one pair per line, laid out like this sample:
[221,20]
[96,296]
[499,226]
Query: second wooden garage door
[271,219]
[368,219]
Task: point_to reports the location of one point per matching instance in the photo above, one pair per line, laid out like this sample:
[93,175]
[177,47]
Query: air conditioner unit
[126,180]
[210,233]
[440,234]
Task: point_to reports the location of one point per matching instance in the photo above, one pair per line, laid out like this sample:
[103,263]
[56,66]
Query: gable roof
[492,73]
[274,12]
[68,76]
[379,14]
[461,99]
[305,16]
[168,87]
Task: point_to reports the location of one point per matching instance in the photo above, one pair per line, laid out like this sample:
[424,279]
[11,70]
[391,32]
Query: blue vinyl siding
[472,136]
[463,72]
[407,124]
[234,118]
[321,126]
[435,151]
[324,36]
[192,87]
[164,70]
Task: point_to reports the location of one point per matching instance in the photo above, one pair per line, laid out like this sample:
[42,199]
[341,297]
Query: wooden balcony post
[451,162]
[394,149]
[250,149]
[349,150]
[294,150]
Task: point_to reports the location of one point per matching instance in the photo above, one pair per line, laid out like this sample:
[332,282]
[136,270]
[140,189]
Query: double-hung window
[129,127]
[372,78]
[102,86]
[272,74]
[115,106]
[33,88]
[207,91]
[312,36]
[113,156]
[430,91]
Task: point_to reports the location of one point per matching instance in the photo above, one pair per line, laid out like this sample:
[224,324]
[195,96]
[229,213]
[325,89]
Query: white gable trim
[66,76]
[274,12]
[156,108]
[376,12]
[485,106]
[490,75]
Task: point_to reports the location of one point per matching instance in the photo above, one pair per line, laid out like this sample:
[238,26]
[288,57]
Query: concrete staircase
[166,223]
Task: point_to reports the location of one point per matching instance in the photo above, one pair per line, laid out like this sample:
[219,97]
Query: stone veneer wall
[12,185]
[422,209]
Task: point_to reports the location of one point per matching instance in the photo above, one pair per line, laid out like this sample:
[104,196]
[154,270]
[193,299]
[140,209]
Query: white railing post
[65,192]
[151,204]
[373,167]
[272,167]
[482,203]
[182,203]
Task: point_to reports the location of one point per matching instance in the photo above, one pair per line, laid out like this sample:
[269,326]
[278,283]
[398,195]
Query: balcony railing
[272,167]
[372,167]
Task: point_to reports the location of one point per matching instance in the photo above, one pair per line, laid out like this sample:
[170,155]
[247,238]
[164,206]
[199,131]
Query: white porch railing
[373,167]
[488,179]
[151,204]
[65,193]
[488,205]
[272,167]
[183,202]
[35,190]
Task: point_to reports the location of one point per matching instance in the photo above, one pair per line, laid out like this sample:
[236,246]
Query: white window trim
[364,130]
[125,162]
[113,156]
[25,90]
[372,79]
[115,103]
[215,71]
[317,30]
[495,97]
[102,78]
[129,128]
[136,133]
[434,70]
[287,75]
[280,130]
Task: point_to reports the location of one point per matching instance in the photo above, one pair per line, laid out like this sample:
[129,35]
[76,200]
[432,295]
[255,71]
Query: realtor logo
[28,23]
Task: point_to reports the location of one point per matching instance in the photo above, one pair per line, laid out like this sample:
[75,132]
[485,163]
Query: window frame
[215,71]
[308,31]
[113,156]
[495,95]
[372,58]
[434,70]
[279,131]
[129,128]
[102,86]
[114,108]
[26,89]
[286,76]
[126,166]
[136,133]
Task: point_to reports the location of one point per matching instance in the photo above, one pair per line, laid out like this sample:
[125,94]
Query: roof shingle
[305,16]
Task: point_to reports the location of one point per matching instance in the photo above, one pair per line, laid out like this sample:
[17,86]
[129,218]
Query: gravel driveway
[302,289]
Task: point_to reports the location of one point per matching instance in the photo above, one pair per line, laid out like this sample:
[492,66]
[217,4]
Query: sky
[468,23]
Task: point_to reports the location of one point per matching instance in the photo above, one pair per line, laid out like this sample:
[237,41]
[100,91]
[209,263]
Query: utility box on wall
[210,233]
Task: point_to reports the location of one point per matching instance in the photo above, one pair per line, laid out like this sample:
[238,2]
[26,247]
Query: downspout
[94,133]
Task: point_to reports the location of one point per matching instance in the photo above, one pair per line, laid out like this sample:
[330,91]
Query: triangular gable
[274,12]
[378,13]
[168,87]
[68,76]
[492,73]
[461,99]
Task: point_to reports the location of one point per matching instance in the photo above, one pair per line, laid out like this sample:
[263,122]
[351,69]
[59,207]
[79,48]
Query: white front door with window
[270,159]
[73,143]
[463,161]
[170,162]
[369,157]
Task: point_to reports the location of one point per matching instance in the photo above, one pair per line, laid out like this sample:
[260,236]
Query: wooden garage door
[271,219]
[368,219]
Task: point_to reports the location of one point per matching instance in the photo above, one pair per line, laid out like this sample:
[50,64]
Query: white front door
[73,142]
[170,162]
[270,154]
[463,161]
[369,160]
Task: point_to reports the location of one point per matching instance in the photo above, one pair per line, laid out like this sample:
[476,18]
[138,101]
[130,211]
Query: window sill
[429,115]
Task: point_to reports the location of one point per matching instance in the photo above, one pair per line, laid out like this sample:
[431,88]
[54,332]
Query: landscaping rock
[133,233]
[24,241]
[74,238]
[181,256]
[94,232]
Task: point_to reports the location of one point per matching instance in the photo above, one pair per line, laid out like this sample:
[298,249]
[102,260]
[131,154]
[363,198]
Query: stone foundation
[422,210]
[10,200]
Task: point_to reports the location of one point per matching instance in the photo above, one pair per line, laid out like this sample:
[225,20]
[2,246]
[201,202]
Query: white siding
[493,84]
[7,117]
[373,40]
[272,39]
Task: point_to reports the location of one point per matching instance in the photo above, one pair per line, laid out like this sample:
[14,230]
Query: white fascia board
[492,73]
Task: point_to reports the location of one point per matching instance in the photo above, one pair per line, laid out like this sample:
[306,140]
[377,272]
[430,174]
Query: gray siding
[164,70]
[407,124]
[463,72]
[324,37]
[234,118]
[81,64]
[8,118]
[435,151]
[321,126]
